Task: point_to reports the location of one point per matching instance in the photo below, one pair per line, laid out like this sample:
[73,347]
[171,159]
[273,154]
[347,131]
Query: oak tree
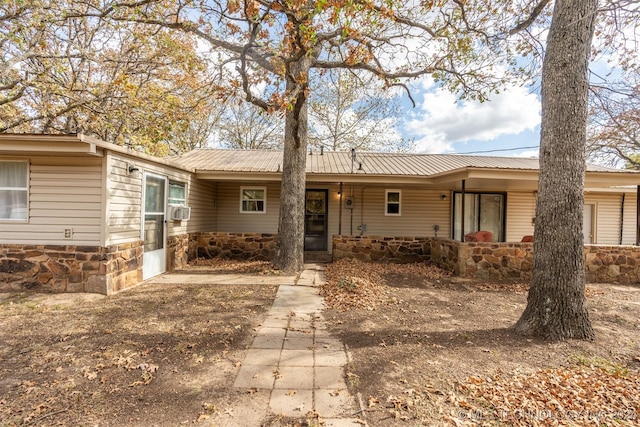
[614,125]
[65,72]
[556,302]
[277,43]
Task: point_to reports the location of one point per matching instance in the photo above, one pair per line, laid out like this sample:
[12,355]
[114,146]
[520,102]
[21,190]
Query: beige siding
[124,190]
[201,197]
[124,201]
[607,216]
[230,219]
[521,208]
[420,210]
[64,192]
[630,219]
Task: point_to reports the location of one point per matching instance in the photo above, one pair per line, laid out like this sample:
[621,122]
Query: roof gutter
[29,144]
[484,173]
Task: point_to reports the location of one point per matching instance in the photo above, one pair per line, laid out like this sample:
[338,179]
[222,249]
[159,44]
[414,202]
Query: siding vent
[68,233]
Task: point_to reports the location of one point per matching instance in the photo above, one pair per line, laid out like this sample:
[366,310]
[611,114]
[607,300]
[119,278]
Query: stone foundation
[244,246]
[486,261]
[178,252]
[495,261]
[383,249]
[612,264]
[49,268]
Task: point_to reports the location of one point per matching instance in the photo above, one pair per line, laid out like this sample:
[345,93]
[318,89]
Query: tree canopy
[125,83]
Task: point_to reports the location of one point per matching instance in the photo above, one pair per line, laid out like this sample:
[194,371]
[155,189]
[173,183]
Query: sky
[439,123]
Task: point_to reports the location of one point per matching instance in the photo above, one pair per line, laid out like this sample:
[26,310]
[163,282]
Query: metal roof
[340,162]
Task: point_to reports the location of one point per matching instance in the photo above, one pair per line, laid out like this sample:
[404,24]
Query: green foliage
[348,284]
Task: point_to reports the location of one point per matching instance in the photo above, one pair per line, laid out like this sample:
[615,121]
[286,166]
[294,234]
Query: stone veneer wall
[383,249]
[612,264]
[178,252]
[51,268]
[496,261]
[246,246]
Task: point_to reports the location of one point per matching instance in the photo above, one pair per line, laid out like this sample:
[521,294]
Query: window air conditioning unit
[349,202]
[180,213]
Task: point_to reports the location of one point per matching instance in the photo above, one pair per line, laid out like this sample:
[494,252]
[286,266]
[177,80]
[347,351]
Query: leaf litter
[433,350]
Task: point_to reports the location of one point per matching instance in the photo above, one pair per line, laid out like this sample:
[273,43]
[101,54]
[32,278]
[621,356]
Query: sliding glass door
[482,212]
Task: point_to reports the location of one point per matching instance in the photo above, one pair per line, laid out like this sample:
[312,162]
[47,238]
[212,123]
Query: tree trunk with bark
[289,255]
[556,302]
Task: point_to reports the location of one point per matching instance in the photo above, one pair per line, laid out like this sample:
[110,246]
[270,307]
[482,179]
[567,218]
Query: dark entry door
[315,220]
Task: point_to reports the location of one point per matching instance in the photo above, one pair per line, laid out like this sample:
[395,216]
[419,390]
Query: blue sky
[442,124]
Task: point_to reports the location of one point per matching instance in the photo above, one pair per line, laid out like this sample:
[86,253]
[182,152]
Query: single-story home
[80,214]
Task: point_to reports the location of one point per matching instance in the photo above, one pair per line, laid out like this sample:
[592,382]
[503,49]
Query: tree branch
[522,25]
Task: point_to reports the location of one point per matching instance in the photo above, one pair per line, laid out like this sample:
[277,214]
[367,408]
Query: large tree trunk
[556,303]
[290,246]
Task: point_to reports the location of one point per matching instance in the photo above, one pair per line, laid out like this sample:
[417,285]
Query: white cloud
[528,154]
[443,121]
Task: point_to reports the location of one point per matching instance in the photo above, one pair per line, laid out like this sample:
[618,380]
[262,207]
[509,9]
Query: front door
[315,220]
[154,226]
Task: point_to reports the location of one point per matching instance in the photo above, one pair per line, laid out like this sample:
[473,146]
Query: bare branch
[523,25]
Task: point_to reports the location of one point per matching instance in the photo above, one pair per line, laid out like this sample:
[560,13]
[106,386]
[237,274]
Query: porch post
[340,212]
[638,215]
[462,216]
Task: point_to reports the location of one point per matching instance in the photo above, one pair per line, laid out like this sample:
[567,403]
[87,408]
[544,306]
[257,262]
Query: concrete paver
[295,358]
[330,377]
[335,403]
[262,356]
[294,377]
[291,402]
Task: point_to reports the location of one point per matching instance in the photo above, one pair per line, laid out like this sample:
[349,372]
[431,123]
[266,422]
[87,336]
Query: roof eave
[21,144]
[75,144]
[486,173]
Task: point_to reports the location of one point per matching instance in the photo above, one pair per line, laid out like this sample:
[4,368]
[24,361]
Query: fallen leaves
[357,284]
[578,395]
[103,358]
[220,265]
[523,288]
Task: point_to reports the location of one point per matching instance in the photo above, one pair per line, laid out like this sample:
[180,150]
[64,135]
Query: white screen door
[154,226]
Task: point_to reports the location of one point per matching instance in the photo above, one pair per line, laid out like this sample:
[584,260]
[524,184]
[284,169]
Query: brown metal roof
[340,163]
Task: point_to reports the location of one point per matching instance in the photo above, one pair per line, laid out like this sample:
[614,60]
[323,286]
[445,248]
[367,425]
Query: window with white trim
[14,190]
[177,194]
[392,202]
[253,199]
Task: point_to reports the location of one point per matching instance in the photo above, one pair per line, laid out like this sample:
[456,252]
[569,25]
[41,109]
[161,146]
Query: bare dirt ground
[427,349]
[155,355]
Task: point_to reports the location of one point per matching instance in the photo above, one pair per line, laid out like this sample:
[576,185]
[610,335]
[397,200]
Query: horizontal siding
[201,197]
[228,209]
[420,209]
[125,191]
[124,201]
[607,217]
[64,192]
[630,219]
[521,208]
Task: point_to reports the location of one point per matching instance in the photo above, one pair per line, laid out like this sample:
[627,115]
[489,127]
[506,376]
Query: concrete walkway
[294,358]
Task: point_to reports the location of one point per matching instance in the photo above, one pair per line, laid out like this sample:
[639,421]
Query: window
[177,194]
[392,207]
[482,212]
[253,199]
[14,190]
